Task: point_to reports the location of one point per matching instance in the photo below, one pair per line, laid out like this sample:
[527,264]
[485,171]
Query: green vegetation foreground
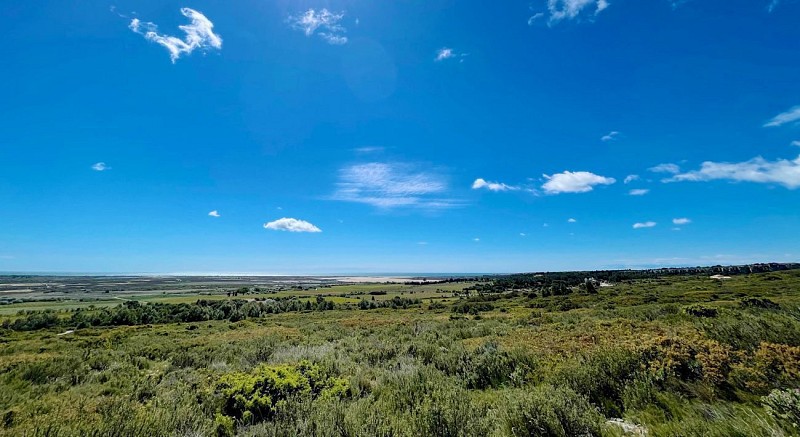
[678,355]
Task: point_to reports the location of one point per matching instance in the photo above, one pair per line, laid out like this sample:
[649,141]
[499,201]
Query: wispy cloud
[571,220]
[681,221]
[100,166]
[644,225]
[611,136]
[214,213]
[323,23]
[574,182]
[795,143]
[492,186]
[291,225]
[445,53]
[199,34]
[638,192]
[558,10]
[535,17]
[790,116]
[665,168]
[772,5]
[476,239]
[368,149]
[390,185]
[783,172]
[630,178]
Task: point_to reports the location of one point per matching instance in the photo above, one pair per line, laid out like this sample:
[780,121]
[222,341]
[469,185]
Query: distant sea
[378,274]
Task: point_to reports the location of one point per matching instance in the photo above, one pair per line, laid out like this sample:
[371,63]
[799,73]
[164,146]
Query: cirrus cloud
[790,116]
[323,22]
[665,168]
[558,10]
[782,172]
[644,225]
[574,182]
[638,192]
[291,225]
[199,34]
[392,185]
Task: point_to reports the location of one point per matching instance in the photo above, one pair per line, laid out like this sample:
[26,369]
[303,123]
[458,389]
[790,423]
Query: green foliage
[550,411]
[756,302]
[784,405]
[602,378]
[256,396]
[544,361]
[701,311]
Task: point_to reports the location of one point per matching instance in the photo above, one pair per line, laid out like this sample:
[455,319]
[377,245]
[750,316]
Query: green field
[675,356]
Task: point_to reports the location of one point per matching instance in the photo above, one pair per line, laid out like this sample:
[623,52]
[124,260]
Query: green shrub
[701,311]
[756,302]
[784,406]
[255,396]
[550,411]
[602,378]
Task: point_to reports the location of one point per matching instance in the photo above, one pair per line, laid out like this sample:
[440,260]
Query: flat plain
[681,354]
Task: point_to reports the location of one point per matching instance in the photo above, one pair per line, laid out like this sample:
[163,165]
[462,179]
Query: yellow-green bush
[254,396]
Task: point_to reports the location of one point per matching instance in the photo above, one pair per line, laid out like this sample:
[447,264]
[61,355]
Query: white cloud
[665,168]
[638,192]
[444,53]
[630,178]
[448,53]
[100,166]
[389,185]
[758,169]
[535,17]
[790,116]
[291,225]
[574,182]
[571,220]
[476,239]
[323,23]
[644,225]
[368,149]
[611,136]
[492,186]
[681,221]
[772,5]
[558,10]
[522,234]
[795,143]
[214,213]
[199,34]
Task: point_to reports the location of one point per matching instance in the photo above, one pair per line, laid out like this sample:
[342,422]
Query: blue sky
[291,137]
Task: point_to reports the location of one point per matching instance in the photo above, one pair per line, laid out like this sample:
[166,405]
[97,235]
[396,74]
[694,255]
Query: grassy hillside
[678,355]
